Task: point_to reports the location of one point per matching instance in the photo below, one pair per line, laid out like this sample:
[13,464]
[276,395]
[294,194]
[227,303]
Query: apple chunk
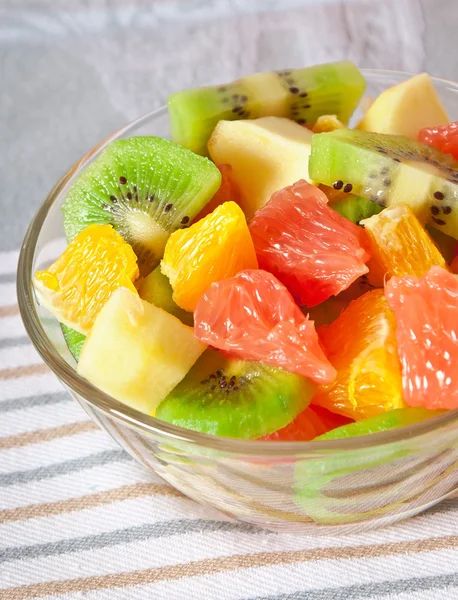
[137,352]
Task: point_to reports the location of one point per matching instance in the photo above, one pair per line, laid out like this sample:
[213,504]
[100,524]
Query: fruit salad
[271,273]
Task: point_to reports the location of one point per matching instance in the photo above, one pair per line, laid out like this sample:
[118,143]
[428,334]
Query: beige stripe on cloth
[125,492]
[46,435]
[223,564]
[9,311]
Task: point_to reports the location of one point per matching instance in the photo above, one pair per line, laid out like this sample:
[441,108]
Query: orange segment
[399,245]
[77,285]
[215,248]
[361,345]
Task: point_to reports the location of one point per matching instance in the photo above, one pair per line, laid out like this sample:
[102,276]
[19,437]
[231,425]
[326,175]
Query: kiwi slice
[156,288]
[399,417]
[348,205]
[390,169]
[300,94]
[234,398]
[73,339]
[146,187]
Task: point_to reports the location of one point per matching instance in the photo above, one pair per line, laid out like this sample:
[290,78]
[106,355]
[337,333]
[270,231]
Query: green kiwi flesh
[156,288]
[355,208]
[302,95]
[399,417]
[234,398]
[146,187]
[389,170]
[73,339]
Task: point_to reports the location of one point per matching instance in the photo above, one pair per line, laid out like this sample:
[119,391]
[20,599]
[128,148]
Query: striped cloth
[80,519]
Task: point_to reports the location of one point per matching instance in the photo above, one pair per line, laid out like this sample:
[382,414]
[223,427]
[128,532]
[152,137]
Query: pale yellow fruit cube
[406,108]
[137,352]
[266,155]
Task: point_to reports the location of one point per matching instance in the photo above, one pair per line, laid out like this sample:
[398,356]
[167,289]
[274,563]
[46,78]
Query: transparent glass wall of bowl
[321,492]
[316,490]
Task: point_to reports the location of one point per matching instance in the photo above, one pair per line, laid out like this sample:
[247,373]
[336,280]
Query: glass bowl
[297,487]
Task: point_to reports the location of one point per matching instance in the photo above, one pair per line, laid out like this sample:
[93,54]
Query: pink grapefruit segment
[315,252]
[443,138]
[426,313]
[254,317]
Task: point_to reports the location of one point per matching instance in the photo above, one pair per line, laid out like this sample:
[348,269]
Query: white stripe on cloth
[86,481]
[103,519]
[40,417]
[34,385]
[288,582]
[54,451]
[19,356]
[11,327]
[185,547]
[8,262]
[8,294]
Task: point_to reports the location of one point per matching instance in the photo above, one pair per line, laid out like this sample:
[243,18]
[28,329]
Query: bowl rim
[147,424]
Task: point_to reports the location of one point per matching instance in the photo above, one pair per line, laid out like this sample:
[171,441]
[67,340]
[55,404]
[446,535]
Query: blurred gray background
[72,71]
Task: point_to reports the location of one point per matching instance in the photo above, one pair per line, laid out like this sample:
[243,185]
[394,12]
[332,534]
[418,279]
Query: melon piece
[406,108]
[266,155]
[137,352]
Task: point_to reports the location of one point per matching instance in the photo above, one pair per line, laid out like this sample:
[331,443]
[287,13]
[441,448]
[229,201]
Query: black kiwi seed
[122,180]
[222,383]
[213,387]
[184,220]
[439,195]
[447,210]
[168,207]
[384,171]
[387,181]
[396,160]
[301,121]
[237,109]
[243,98]
[303,95]
[435,210]
[294,90]
[212,376]
[129,195]
[348,188]
[113,199]
[338,185]
[151,198]
[219,373]
[439,221]
[235,388]
[307,106]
